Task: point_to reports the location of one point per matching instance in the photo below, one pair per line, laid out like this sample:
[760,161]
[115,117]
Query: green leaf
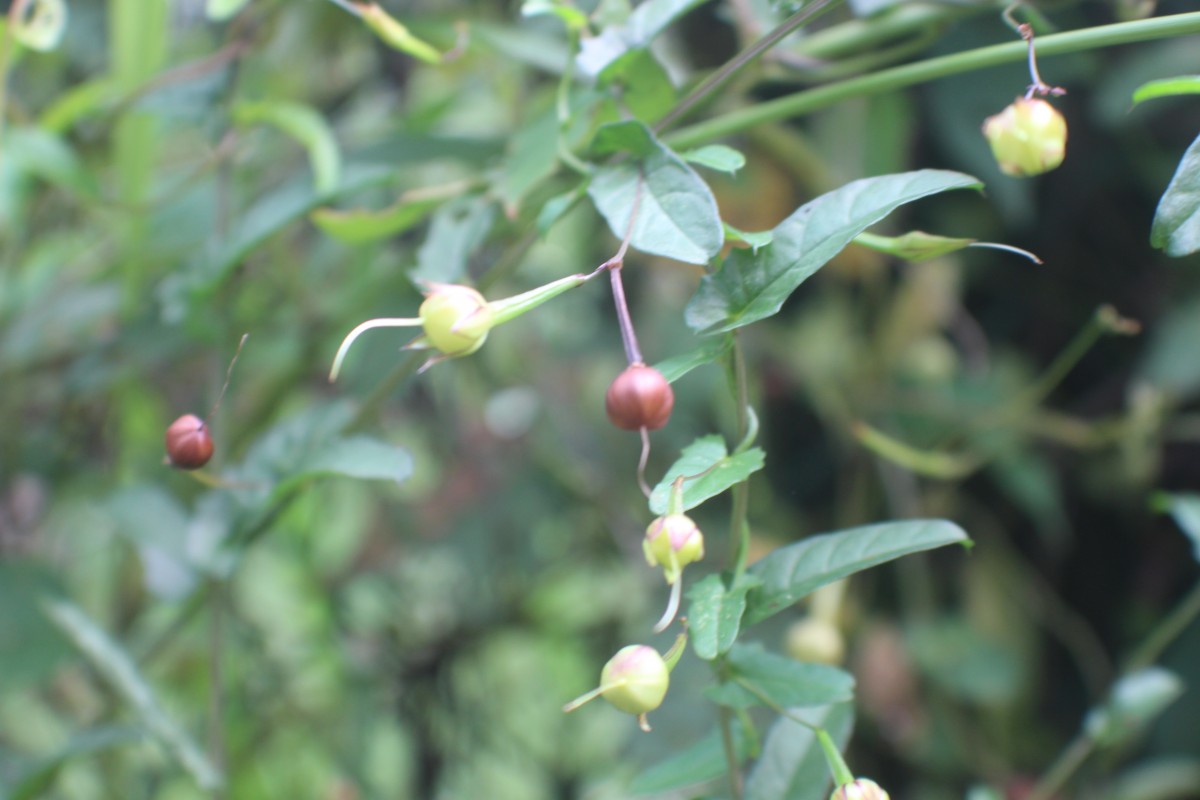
[154,522]
[790,573]
[572,17]
[1185,510]
[629,136]
[395,35]
[715,615]
[36,152]
[118,669]
[646,90]
[759,678]
[698,763]
[710,350]
[1176,226]
[750,287]
[1134,701]
[360,226]
[532,157]
[676,213]
[792,765]
[29,649]
[753,239]
[356,457]
[1167,87]
[598,54]
[37,781]
[718,157]
[42,25]
[456,232]
[706,455]
[912,246]
[219,10]
[305,125]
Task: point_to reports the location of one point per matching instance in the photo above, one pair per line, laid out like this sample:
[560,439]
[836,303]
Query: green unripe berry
[635,680]
[1027,138]
[456,319]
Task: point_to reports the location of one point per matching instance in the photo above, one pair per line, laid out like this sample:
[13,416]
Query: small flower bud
[860,789]
[635,679]
[673,533]
[639,397]
[456,319]
[1028,137]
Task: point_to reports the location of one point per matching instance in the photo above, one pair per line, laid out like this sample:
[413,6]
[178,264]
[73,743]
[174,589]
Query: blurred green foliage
[388,587]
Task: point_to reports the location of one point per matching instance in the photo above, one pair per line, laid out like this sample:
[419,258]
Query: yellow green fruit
[1028,137]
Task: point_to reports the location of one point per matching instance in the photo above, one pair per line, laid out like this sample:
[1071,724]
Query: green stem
[742,59]
[731,756]
[739,526]
[1167,631]
[1071,760]
[931,69]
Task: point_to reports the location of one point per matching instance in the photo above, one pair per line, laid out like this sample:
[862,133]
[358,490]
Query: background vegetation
[388,587]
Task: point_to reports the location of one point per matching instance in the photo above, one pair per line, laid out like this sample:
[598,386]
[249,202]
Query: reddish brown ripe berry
[640,397]
[189,445]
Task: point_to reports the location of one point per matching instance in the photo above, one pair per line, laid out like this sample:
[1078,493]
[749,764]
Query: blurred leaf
[356,457]
[716,156]
[760,678]
[790,573]
[715,615]
[39,779]
[118,669]
[305,125]
[572,17]
[1134,701]
[750,287]
[29,650]
[44,155]
[710,350]
[646,89]
[964,662]
[598,53]
[912,246]
[706,455]
[932,464]
[1167,87]
[456,232]
[42,25]
[1169,362]
[153,522]
[1163,778]
[360,226]
[532,157]
[78,102]
[792,765]
[699,763]
[1176,226]
[1185,510]
[676,213]
[223,9]
[629,136]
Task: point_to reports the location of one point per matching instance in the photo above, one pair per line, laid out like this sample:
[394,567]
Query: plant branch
[804,102]
[1166,632]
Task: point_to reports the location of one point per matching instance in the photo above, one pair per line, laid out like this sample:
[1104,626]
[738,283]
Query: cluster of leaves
[286,170]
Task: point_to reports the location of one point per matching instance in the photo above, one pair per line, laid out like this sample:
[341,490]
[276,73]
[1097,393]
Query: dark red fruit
[189,445]
[640,397]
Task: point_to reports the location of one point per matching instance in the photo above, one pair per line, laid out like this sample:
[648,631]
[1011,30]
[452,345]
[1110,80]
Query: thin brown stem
[633,353]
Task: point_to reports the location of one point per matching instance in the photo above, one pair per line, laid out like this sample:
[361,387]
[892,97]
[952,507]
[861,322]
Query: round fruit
[635,679]
[1029,137]
[456,319]
[640,397]
[189,445]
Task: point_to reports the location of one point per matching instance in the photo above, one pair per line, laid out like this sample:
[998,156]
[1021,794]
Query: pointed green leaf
[699,763]
[752,239]
[712,348]
[1167,87]
[1176,226]
[307,127]
[718,157]
[359,226]
[114,664]
[717,471]
[1134,701]
[790,573]
[759,678]
[676,213]
[715,615]
[1185,510]
[912,246]
[753,286]
[792,765]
